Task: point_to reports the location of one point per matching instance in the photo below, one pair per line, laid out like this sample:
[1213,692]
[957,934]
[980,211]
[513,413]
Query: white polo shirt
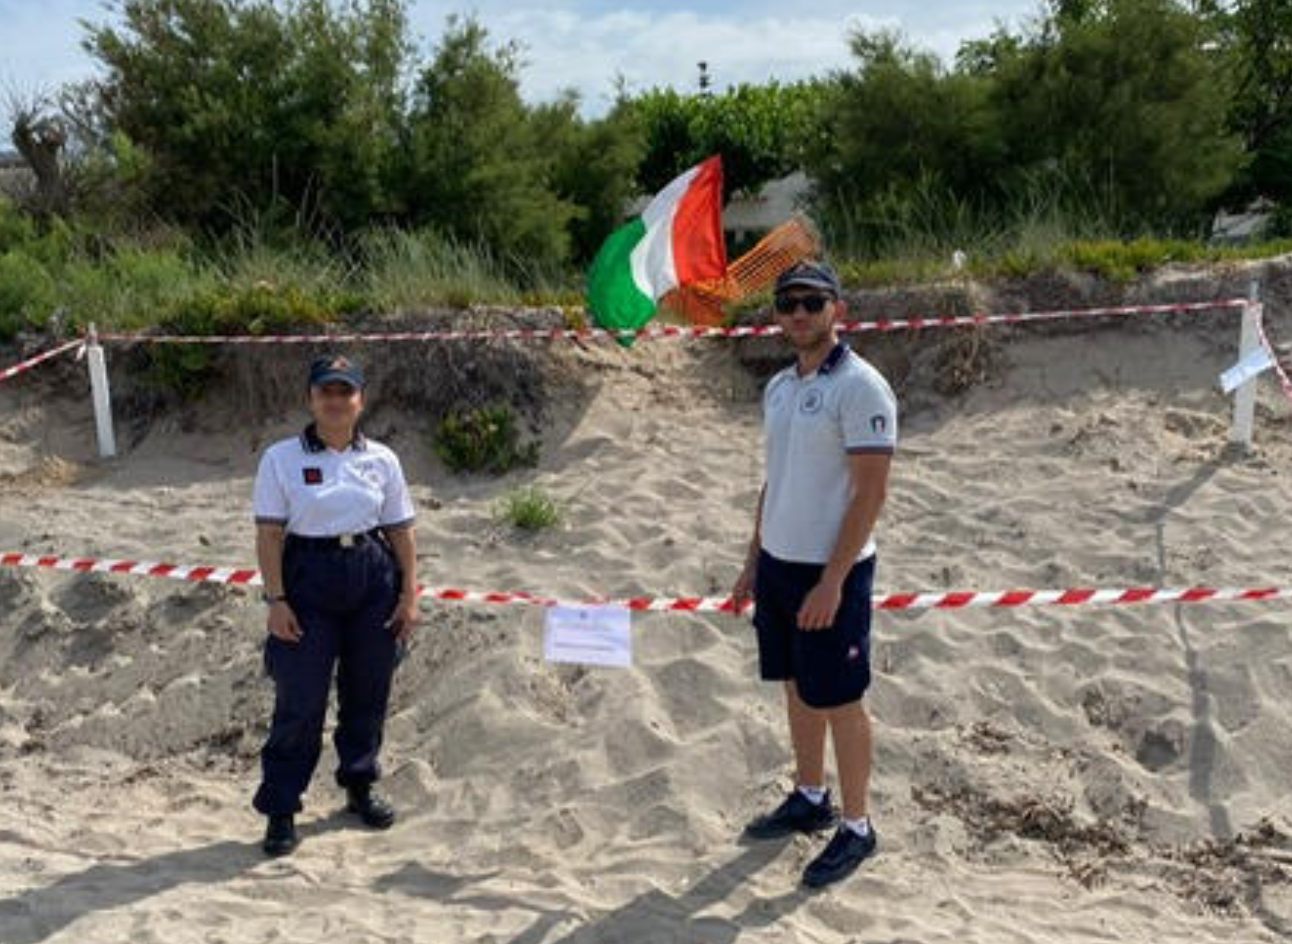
[812,424]
[319,492]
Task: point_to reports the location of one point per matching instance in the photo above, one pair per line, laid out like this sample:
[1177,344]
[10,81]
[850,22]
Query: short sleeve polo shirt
[812,424]
[319,492]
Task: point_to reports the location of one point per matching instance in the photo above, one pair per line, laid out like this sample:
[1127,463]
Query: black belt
[337,540]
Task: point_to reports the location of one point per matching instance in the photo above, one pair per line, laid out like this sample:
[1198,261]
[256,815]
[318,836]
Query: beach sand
[1042,775]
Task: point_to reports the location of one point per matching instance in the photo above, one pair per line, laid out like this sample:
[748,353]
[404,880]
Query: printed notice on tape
[589,635]
[1252,365]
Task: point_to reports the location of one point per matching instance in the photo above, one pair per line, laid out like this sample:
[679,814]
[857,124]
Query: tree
[594,168]
[473,163]
[41,138]
[1108,107]
[904,128]
[761,131]
[1261,38]
[1127,99]
[249,104]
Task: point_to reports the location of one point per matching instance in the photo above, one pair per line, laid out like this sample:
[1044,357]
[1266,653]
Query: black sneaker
[796,814]
[280,835]
[373,810]
[840,858]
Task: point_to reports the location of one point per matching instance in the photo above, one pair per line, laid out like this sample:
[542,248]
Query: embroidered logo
[878,424]
[313,475]
[854,653]
[812,402]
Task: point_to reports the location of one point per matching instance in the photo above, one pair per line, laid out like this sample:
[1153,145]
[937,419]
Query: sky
[578,44]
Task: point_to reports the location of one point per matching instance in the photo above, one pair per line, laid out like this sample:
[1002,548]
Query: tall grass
[405,270]
[262,274]
[922,225]
[915,235]
[253,255]
[68,275]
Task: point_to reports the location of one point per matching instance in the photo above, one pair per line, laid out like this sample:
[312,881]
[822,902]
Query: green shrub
[483,440]
[183,370]
[870,273]
[261,308]
[28,294]
[530,509]
[128,288]
[16,229]
[258,309]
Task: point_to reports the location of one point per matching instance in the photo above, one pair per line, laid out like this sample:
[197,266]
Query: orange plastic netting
[702,303]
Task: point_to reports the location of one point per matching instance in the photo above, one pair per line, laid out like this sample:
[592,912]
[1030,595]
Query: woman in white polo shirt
[334,539]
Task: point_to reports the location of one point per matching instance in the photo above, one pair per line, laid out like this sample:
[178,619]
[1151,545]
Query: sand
[1042,775]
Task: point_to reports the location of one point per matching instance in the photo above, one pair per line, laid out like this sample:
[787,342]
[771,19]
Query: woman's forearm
[269,556]
[404,544]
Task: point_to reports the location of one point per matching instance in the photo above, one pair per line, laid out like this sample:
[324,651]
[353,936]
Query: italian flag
[676,241]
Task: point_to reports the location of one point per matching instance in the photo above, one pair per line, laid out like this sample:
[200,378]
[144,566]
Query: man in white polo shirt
[831,429]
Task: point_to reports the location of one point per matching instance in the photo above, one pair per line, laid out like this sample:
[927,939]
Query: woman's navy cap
[336,369]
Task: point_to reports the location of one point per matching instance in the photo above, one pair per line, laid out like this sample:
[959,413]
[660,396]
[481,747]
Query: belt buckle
[346,540]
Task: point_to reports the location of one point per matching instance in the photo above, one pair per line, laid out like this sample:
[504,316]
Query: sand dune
[1043,775]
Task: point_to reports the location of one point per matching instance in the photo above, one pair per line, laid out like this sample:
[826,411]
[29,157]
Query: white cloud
[565,50]
[580,44]
[585,45]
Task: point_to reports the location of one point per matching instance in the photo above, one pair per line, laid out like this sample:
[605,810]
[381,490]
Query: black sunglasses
[812,304]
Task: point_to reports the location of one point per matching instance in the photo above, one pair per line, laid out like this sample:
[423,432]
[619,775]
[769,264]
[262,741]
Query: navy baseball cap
[810,273]
[336,369]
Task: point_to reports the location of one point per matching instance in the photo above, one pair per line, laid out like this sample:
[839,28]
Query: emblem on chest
[811,401]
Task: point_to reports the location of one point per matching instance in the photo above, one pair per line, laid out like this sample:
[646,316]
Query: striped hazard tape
[685,332]
[659,332]
[1284,381]
[17,369]
[954,600]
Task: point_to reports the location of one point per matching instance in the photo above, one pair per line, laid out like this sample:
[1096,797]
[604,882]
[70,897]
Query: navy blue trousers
[342,598]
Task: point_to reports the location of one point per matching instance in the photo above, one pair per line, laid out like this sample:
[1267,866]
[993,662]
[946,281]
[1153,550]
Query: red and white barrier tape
[16,369]
[673,331]
[654,332]
[894,601]
[1284,381]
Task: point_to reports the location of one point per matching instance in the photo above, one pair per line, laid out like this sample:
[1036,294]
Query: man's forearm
[855,531]
[756,542]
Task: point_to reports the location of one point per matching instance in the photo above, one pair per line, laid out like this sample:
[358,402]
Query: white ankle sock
[814,794]
[860,826]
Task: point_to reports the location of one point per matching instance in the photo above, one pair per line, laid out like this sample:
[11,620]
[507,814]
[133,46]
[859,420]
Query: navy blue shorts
[830,667]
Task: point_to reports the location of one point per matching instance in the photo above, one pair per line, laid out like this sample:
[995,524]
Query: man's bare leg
[850,726]
[807,734]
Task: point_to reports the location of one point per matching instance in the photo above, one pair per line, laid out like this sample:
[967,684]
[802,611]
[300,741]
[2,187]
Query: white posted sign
[1253,363]
[589,635]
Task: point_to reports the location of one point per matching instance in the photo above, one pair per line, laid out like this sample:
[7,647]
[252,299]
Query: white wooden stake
[1240,431]
[101,394]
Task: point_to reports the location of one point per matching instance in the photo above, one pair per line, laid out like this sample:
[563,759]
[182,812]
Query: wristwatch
[272,598]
